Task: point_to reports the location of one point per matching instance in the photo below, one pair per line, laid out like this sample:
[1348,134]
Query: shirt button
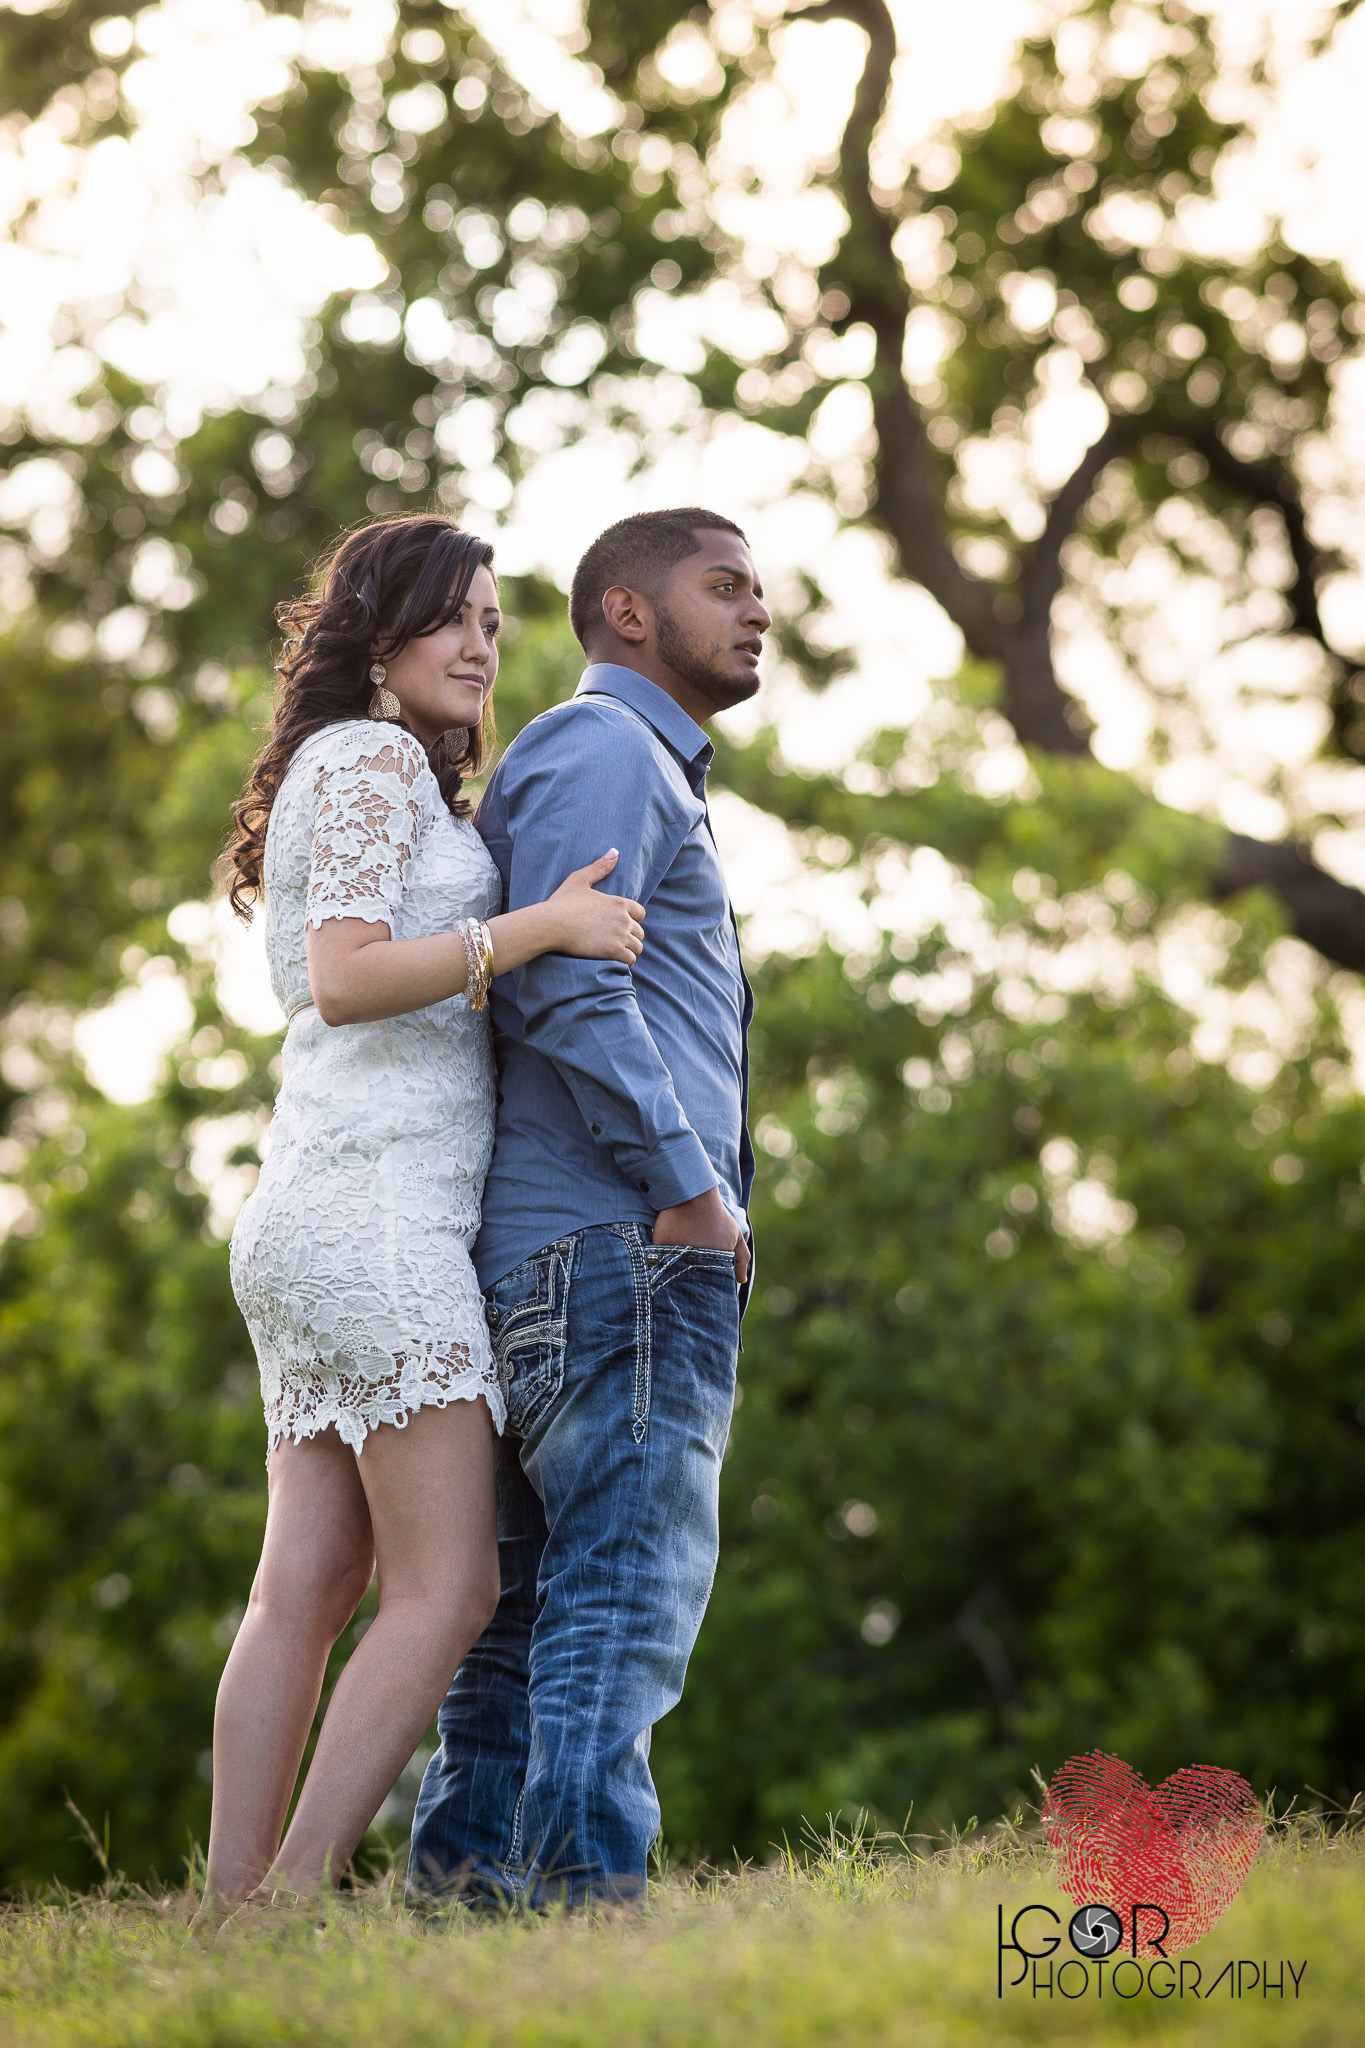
[597,1130]
[644,1186]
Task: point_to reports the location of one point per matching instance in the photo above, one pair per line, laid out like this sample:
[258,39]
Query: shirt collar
[655,706]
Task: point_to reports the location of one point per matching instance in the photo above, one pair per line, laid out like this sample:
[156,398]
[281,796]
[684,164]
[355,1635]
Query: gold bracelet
[478,945]
[480,998]
[473,966]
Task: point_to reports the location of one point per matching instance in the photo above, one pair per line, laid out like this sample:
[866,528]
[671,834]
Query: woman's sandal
[260,1907]
[204,1926]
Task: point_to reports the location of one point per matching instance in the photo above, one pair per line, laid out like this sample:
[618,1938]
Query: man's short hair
[639,553]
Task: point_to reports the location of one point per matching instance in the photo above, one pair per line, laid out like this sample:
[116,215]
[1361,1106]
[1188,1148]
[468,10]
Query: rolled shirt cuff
[677,1171]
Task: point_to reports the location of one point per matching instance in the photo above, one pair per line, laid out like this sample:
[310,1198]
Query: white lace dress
[351,1262]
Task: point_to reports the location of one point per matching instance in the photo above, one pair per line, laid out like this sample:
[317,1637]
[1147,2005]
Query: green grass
[850,1945]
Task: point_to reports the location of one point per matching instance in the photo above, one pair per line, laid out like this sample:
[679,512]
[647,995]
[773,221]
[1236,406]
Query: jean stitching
[705,1251]
[639,1274]
[515,1870]
[564,1262]
[551,1331]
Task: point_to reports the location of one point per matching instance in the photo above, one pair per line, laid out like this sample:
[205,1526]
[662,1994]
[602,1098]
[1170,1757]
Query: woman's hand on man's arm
[358,972]
[587,924]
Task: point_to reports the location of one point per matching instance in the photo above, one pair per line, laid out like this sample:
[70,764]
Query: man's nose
[759,617]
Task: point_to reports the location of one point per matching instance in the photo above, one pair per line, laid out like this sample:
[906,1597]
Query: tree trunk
[1014,627]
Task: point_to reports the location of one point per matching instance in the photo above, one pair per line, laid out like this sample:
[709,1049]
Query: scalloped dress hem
[355,1421]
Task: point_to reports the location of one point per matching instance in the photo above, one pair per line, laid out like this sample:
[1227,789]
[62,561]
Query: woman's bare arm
[359,972]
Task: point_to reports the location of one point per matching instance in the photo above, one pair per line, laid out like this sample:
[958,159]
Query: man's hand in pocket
[707,1223]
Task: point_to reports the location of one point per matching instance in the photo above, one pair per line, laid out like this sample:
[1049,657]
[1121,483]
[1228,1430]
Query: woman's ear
[623,611]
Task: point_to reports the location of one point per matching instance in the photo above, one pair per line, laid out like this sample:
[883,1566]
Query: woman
[351,1260]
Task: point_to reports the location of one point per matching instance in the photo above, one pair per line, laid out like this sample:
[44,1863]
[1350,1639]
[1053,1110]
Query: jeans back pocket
[528,1314]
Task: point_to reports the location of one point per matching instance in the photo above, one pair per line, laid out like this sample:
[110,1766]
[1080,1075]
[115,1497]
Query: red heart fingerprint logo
[1187,1847]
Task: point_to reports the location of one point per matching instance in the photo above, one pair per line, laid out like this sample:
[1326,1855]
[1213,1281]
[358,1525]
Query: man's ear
[623,611]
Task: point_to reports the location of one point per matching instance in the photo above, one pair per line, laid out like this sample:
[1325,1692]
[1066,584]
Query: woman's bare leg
[430,1493]
[316,1562]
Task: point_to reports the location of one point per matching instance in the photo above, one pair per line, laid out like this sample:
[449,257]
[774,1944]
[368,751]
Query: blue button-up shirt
[620,1090]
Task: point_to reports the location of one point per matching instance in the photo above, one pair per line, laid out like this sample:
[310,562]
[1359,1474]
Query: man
[615,1237]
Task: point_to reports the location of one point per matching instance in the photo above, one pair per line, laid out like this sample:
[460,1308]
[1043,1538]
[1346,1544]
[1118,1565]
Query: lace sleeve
[365,830]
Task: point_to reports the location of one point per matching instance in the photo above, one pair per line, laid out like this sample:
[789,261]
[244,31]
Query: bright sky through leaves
[210,301]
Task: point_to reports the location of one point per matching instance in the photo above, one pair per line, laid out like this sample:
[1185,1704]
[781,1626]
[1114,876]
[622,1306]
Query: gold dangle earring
[383,704]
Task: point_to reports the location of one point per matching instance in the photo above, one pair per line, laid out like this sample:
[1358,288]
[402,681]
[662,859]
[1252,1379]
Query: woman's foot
[211,1914]
[268,1904]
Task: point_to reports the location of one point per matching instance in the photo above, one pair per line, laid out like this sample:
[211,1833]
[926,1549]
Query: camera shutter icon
[1096,1931]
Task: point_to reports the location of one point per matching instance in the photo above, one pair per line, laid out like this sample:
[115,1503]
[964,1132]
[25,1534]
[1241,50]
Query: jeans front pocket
[527,1322]
[668,1263]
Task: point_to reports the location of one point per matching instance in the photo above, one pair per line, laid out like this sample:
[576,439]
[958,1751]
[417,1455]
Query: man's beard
[698,668]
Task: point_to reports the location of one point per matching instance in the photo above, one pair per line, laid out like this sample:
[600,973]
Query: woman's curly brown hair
[377,588]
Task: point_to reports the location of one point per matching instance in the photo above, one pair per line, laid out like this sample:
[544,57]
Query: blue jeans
[618,1357]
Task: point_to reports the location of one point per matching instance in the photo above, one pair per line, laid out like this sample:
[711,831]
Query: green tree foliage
[1216,372]
[131,1480]
[1057,241]
[1050,1426]
[1003,1487]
